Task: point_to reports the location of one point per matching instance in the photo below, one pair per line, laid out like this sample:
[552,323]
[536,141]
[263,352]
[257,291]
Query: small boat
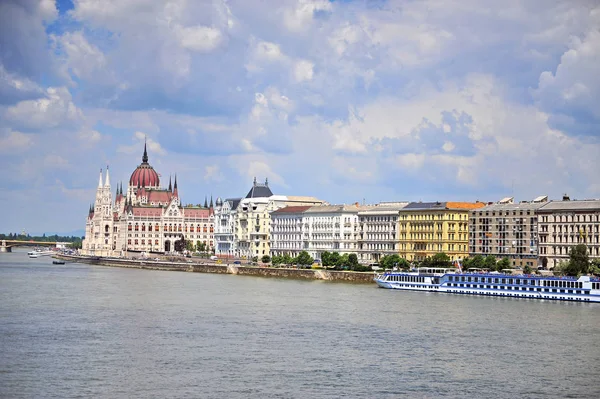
[36,253]
[58,262]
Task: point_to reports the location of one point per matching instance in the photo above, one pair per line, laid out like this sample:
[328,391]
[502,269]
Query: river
[81,331]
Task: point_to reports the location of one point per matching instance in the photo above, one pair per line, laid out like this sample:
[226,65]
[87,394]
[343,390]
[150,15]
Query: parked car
[237,262]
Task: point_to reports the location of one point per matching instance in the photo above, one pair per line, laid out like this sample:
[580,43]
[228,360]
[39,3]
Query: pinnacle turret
[107,183]
[100,180]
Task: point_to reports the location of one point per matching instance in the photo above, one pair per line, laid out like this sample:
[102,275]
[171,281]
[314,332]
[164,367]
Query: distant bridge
[7,245]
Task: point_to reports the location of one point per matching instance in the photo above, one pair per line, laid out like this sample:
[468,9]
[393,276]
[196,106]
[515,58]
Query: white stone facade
[377,235]
[565,224]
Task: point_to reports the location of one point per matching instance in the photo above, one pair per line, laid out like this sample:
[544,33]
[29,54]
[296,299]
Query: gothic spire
[107,184]
[145,156]
[170,186]
[100,180]
[205,203]
[175,186]
[211,201]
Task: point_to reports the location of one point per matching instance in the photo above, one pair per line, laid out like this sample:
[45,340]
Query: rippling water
[92,331]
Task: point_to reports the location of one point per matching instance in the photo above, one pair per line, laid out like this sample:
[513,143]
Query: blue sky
[342,100]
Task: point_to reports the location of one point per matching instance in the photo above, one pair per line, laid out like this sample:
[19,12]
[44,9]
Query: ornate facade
[145,219]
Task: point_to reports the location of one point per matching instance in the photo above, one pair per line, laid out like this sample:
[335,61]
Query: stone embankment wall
[305,274]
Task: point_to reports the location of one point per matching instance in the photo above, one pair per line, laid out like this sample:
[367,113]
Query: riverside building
[377,235]
[507,230]
[146,218]
[565,224]
[428,228]
[252,227]
[225,222]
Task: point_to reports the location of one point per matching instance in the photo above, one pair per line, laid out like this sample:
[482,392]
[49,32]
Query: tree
[200,247]
[353,260]
[325,259]
[439,260]
[490,262]
[579,262]
[477,262]
[189,245]
[342,261]
[277,260]
[527,269]
[287,259]
[266,259]
[334,259]
[544,263]
[255,259]
[504,263]
[390,261]
[594,267]
[180,245]
[304,259]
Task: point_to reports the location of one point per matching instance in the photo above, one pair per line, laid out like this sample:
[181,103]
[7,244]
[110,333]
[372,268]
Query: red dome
[144,176]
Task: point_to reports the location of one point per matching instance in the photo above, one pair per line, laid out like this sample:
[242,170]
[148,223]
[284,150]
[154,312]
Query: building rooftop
[259,190]
[575,205]
[291,209]
[435,206]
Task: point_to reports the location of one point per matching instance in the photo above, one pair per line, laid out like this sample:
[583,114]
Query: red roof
[147,211]
[196,212]
[159,196]
[292,209]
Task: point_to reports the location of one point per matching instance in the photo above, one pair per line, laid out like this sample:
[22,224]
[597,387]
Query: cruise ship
[36,253]
[582,289]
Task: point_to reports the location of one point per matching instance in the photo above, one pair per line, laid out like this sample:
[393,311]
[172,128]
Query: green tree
[304,259]
[201,247]
[503,263]
[490,262]
[477,262]
[594,267]
[353,260]
[287,259]
[277,260]
[342,261]
[189,245]
[544,263]
[179,245]
[326,259]
[266,259]
[255,259]
[527,269]
[334,259]
[579,262]
[390,261]
[439,260]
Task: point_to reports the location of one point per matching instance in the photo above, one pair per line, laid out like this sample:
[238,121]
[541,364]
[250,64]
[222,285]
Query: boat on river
[36,253]
[582,289]
[58,262]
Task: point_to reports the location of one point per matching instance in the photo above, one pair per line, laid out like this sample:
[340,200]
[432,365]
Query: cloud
[574,88]
[56,109]
[303,70]
[139,138]
[12,141]
[199,38]
[212,173]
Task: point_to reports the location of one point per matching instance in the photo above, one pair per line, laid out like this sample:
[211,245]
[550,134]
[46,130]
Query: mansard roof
[259,190]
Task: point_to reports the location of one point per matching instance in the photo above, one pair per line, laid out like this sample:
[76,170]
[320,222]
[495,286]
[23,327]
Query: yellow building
[428,228]
[252,231]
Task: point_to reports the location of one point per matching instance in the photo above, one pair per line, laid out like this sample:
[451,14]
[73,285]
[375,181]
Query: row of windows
[510,288]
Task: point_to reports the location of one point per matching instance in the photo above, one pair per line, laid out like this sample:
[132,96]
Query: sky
[370,100]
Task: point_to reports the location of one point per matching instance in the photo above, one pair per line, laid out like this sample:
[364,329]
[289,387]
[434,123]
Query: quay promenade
[204,267]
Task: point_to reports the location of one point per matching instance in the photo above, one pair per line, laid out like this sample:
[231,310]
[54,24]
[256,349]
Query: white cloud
[13,141]
[139,138]
[54,110]
[83,59]
[576,82]
[212,173]
[55,161]
[303,70]
[199,38]
[300,17]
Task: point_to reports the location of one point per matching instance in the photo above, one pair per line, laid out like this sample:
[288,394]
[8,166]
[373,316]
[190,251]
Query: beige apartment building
[506,229]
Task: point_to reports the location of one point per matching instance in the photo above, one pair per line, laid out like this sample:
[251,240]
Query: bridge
[7,245]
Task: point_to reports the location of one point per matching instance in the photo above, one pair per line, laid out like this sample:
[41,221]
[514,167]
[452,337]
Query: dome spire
[145,156]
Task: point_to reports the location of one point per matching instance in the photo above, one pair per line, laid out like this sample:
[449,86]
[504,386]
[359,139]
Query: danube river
[90,331]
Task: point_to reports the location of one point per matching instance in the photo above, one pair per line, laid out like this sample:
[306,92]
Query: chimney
[566,197]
